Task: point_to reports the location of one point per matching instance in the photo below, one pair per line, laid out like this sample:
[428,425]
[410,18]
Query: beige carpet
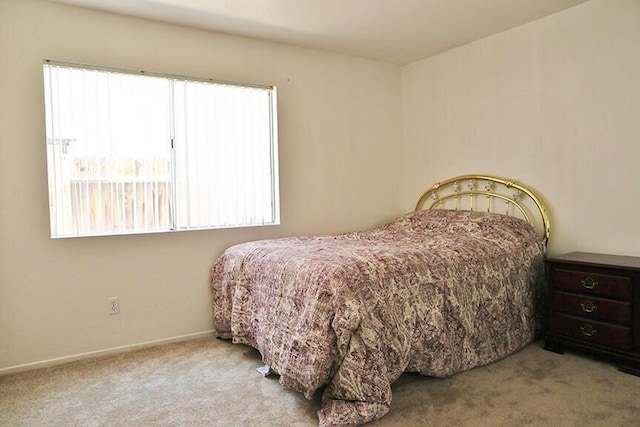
[208,382]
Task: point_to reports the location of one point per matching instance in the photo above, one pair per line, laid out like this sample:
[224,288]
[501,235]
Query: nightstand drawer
[618,287]
[590,307]
[592,331]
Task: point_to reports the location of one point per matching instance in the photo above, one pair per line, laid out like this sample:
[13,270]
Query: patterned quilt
[435,292]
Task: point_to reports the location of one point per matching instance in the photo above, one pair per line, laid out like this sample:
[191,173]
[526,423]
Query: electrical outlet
[113,306]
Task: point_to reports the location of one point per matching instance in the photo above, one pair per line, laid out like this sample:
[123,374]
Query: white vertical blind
[223,155]
[131,153]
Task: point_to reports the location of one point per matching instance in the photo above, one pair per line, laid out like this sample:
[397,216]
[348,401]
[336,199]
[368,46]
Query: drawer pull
[589,283]
[588,330]
[588,306]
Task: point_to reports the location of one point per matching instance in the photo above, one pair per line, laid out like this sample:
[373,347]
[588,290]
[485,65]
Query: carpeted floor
[208,382]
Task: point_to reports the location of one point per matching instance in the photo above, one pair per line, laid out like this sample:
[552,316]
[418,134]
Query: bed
[455,284]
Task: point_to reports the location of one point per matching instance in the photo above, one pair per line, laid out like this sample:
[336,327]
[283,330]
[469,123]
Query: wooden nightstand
[595,306]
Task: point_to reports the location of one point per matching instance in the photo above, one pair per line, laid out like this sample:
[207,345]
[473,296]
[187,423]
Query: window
[139,153]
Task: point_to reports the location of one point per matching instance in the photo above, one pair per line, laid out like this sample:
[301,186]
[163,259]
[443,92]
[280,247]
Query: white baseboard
[101,353]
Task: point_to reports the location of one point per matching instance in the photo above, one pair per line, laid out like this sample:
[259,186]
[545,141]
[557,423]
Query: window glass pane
[224,155]
[132,153]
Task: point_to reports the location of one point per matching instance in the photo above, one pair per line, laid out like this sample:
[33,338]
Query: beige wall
[340,169]
[554,104]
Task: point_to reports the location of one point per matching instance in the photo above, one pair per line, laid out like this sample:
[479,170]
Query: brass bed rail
[490,194]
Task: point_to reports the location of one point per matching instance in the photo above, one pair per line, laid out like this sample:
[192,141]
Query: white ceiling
[397,31]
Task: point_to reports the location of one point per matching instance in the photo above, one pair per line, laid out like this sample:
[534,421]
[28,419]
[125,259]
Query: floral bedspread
[435,292]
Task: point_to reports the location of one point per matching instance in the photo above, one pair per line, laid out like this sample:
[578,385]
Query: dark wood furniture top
[587,258]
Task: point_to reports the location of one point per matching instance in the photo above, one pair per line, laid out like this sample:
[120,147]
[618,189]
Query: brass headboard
[490,194]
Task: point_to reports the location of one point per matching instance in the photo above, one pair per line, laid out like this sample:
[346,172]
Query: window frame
[172,79]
